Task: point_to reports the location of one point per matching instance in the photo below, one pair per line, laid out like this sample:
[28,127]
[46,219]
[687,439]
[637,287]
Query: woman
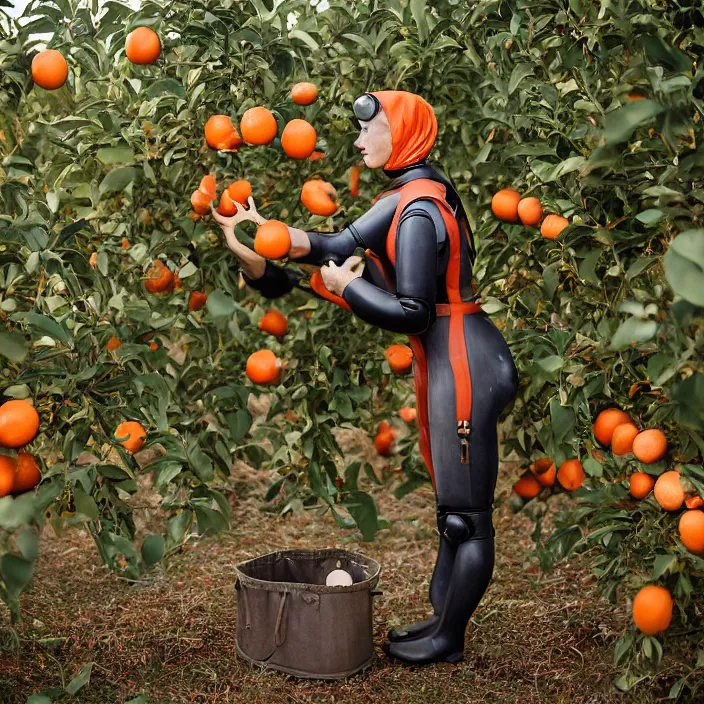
[419,281]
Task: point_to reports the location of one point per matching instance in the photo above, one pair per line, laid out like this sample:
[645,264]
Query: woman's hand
[228,224]
[336,277]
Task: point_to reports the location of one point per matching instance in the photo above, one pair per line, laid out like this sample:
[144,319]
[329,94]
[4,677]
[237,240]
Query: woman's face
[374,141]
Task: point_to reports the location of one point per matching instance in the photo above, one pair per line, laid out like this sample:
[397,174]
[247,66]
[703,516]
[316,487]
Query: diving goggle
[366,107]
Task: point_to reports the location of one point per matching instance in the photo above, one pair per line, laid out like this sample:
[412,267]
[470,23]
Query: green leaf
[551,364]
[519,72]
[13,346]
[418,12]
[663,564]
[115,155]
[117,179]
[362,508]
[167,86]
[80,680]
[562,420]
[633,331]
[45,325]
[305,38]
[664,54]
[621,122]
[623,645]
[684,266]
[153,549]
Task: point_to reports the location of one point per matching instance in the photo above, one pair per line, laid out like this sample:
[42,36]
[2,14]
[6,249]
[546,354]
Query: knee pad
[458,526]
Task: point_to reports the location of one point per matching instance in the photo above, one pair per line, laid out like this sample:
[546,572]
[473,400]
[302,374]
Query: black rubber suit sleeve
[367,232]
[273,283]
[411,310]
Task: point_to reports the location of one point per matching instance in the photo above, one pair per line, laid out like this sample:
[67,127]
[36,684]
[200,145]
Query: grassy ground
[534,637]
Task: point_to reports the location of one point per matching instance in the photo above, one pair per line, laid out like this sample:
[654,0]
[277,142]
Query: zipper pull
[463,431]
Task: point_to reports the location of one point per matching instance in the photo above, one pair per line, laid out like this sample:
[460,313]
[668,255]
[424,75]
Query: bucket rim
[369,583]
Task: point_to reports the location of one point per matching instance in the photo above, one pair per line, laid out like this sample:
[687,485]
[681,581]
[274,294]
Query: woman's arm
[368,232]
[411,310]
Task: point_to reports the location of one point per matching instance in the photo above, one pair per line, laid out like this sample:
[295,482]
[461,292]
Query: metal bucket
[289,620]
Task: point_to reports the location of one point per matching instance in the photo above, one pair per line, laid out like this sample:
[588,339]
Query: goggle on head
[366,107]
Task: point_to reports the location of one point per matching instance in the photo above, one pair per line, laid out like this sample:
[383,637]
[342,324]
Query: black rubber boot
[471,574]
[439,584]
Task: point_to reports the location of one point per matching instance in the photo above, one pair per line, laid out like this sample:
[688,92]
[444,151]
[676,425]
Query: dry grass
[534,638]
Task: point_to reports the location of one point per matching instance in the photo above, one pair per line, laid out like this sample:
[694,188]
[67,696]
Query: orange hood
[413,126]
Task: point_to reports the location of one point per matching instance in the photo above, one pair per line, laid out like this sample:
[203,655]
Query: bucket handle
[279,637]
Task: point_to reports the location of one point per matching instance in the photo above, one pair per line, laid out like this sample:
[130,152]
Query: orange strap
[432,190]
[466,308]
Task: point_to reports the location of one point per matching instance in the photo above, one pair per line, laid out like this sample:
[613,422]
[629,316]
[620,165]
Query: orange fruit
[640,484]
[159,278]
[178,284]
[93,261]
[319,197]
[274,323]
[691,528]
[354,181]
[227,206]
[125,243]
[553,225]
[607,421]
[263,367]
[49,69]
[134,435]
[694,502]
[113,343]
[668,491]
[143,46]
[527,487]
[258,126]
[650,446]
[408,414]
[570,475]
[153,346]
[19,423]
[209,186]
[272,240]
[504,204]
[316,156]
[622,438]
[304,93]
[384,440]
[27,474]
[652,609]
[220,133]
[201,202]
[240,191]
[400,358]
[530,211]
[7,474]
[298,139]
[197,300]
[544,471]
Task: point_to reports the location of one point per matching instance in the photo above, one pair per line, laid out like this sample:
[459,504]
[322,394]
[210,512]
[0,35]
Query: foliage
[539,96]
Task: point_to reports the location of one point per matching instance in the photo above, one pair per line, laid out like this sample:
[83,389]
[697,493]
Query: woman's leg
[464,493]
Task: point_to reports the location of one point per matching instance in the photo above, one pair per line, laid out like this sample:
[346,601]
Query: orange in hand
[272,240]
[227,206]
[19,423]
[240,191]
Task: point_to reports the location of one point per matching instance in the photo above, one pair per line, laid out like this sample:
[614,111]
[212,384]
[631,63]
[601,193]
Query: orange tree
[595,108]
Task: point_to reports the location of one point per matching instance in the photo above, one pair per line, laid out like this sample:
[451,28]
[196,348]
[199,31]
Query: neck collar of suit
[421,169]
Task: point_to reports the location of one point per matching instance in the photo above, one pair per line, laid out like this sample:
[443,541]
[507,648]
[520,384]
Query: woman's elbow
[419,316]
